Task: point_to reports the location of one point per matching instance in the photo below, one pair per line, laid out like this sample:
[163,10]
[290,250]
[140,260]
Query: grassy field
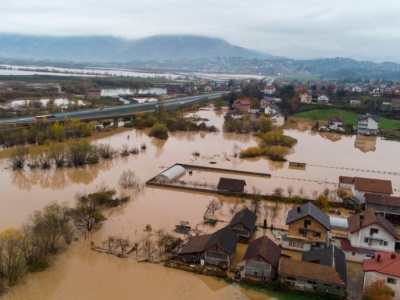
[346,116]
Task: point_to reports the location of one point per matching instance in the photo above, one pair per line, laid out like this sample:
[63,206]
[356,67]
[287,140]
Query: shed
[231,185]
[338,223]
[171,174]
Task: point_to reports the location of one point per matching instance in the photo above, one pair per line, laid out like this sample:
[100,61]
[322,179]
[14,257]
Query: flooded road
[80,273]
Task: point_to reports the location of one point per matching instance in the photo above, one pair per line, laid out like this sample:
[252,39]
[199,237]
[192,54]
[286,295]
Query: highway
[118,111]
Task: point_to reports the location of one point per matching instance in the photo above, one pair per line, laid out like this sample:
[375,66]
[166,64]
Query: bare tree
[57,153]
[290,190]
[125,150]
[19,156]
[301,192]
[314,194]
[111,243]
[214,205]
[123,244]
[148,247]
[278,192]
[106,151]
[128,179]
[148,230]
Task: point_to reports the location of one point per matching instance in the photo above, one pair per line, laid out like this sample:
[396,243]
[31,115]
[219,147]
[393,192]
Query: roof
[225,238]
[243,102]
[367,218]
[311,210]
[265,248]
[384,200]
[335,119]
[172,173]
[346,246]
[346,179]
[246,217]
[231,185]
[338,222]
[368,115]
[389,264]
[310,271]
[196,244]
[329,256]
[373,185]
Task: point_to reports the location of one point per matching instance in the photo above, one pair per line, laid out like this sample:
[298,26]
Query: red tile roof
[370,185]
[384,200]
[345,245]
[385,263]
[369,217]
[346,180]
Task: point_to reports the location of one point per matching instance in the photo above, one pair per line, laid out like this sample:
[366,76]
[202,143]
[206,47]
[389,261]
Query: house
[264,102]
[385,266]
[231,185]
[271,109]
[370,230]
[217,248]
[93,94]
[377,92]
[277,119]
[335,124]
[312,277]
[357,89]
[388,206]
[243,224]
[359,186]
[368,124]
[305,98]
[330,256]
[323,99]
[261,259]
[269,89]
[242,105]
[309,228]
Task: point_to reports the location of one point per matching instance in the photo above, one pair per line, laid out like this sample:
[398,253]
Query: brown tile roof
[345,245]
[389,263]
[382,200]
[373,185]
[367,218]
[264,248]
[309,271]
[345,179]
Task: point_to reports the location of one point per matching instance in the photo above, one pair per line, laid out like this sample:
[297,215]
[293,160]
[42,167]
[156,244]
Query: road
[119,111]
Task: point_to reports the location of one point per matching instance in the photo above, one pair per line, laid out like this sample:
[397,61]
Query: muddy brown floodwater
[79,273]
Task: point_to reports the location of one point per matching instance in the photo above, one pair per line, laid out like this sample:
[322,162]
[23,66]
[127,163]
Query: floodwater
[79,273]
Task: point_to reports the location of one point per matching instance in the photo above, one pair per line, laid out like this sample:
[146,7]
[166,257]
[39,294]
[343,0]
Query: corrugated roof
[311,210]
[373,185]
[231,185]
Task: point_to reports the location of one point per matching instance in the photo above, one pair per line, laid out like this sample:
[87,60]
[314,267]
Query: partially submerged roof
[384,200]
[196,244]
[311,210]
[373,185]
[385,263]
[329,256]
[310,271]
[231,185]
[264,248]
[171,173]
[369,217]
[246,217]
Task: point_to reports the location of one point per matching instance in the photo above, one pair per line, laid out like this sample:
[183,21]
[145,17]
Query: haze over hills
[113,49]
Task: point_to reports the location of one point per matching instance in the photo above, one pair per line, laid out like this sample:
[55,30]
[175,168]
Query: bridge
[127,110]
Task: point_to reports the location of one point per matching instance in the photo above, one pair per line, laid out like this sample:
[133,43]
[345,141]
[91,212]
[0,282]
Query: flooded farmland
[79,273]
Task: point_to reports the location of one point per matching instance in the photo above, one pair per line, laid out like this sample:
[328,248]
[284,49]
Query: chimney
[378,258]
[393,255]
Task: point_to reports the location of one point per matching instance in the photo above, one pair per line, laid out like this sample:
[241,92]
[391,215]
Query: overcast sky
[368,29]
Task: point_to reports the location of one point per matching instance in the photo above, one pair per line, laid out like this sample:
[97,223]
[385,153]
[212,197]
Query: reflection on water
[365,143]
[332,136]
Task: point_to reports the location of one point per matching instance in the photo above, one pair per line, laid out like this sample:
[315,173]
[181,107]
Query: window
[302,232]
[373,230]
[383,243]
[391,280]
[307,223]
[353,253]
[317,234]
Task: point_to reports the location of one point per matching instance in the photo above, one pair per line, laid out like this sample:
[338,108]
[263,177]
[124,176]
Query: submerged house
[231,185]
[217,248]
[243,224]
[261,259]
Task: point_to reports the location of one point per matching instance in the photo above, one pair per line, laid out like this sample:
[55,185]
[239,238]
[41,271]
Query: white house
[324,99]
[368,124]
[277,119]
[384,266]
[305,98]
[377,91]
[359,186]
[357,89]
[335,124]
[271,109]
[269,89]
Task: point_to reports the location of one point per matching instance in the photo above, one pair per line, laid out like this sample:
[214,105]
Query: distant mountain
[112,49]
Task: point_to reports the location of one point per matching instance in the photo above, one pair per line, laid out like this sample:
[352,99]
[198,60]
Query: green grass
[346,116]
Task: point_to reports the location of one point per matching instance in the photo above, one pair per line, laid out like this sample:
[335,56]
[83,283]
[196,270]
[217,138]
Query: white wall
[357,239]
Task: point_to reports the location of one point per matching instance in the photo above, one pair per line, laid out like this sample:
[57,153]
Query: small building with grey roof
[243,224]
